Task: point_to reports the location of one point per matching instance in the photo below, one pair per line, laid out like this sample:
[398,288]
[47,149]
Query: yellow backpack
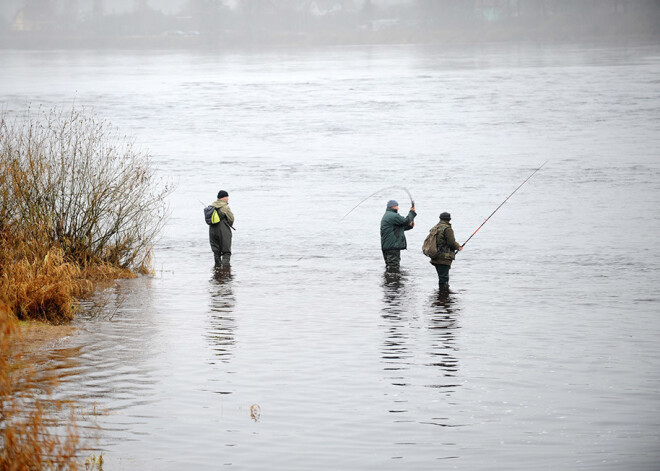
[212,215]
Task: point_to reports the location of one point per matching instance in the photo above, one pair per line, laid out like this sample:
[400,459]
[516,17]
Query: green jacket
[446,242]
[220,234]
[392,227]
[223,207]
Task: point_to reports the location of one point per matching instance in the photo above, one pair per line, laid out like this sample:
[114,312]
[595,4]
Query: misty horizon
[197,23]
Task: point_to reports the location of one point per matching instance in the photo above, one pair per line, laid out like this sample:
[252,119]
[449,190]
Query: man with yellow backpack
[221,221]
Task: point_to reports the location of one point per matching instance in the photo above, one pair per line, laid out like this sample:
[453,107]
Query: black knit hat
[222,194]
[445,216]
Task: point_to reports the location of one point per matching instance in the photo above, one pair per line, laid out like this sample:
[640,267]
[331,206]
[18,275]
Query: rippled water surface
[304,354]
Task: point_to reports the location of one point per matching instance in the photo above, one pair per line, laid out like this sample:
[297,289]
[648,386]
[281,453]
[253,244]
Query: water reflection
[396,350]
[442,325]
[222,322]
[412,342]
[106,368]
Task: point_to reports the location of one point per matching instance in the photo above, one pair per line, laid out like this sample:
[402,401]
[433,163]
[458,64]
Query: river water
[304,354]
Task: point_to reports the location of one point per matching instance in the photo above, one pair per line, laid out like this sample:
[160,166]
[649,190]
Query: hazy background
[233,23]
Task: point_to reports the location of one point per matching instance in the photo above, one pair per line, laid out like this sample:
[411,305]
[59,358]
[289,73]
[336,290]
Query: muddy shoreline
[35,337]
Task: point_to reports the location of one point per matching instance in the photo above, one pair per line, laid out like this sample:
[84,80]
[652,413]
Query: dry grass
[42,288]
[46,287]
[30,438]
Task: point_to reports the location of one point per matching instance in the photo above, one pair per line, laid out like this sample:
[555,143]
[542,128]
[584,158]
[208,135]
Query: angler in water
[220,231]
[446,249]
[392,236]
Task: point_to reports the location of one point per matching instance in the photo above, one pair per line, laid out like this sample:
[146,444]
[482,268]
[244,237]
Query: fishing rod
[502,204]
[412,201]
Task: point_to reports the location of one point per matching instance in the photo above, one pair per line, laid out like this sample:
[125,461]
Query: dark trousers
[392,259]
[220,239]
[443,274]
[221,258]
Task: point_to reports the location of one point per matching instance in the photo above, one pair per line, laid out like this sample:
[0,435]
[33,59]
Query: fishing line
[412,202]
[502,204]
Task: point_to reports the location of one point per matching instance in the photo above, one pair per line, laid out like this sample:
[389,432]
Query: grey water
[305,354]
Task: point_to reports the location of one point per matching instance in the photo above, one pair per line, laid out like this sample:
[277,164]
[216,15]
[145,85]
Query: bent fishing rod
[412,201]
[502,204]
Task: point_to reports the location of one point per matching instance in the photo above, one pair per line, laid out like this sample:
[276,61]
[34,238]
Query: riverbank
[40,337]
[27,411]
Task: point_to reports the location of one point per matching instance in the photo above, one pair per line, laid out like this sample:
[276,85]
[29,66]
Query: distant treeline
[216,23]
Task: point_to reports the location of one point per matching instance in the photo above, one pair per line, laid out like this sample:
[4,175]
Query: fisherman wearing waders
[392,236]
[220,231]
[447,247]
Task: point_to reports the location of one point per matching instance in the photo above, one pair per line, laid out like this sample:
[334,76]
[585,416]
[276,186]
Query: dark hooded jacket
[446,243]
[392,227]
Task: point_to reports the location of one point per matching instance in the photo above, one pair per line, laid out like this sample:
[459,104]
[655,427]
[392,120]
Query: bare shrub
[69,179]
[77,202]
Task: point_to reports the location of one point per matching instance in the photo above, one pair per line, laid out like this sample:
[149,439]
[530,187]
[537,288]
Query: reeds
[30,438]
[77,202]
[43,289]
